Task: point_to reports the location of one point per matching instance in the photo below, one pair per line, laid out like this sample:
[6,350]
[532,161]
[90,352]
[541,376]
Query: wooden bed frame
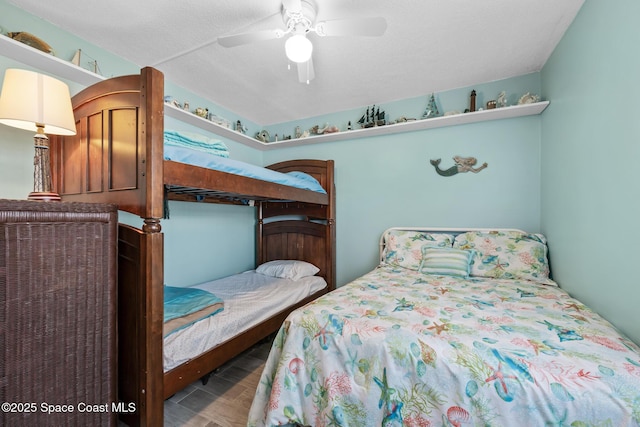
[117,157]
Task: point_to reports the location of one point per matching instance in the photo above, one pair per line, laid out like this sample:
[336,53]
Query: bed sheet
[396,347]
[249,298]
[236,167]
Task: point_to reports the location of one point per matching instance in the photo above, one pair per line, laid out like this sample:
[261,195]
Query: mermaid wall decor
[462,164]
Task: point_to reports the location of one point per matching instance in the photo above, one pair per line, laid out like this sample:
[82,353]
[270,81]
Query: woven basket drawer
[58,313]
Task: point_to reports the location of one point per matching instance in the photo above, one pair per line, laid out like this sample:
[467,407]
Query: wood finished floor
[227,397]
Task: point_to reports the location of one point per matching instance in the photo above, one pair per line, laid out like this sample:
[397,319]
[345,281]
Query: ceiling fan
[299,17]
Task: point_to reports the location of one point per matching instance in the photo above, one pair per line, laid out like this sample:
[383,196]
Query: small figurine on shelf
[31,40]
[241,128]
[263,136]
[171,100]
[92,64]
[373,117]
[472,101]
[298,132]
[349,125]
[202,112]
[326,129]
[528,98]
[221,121]
[502,99]
[432,109]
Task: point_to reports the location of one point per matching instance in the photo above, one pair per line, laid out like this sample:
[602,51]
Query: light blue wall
[388,181]
[590,150]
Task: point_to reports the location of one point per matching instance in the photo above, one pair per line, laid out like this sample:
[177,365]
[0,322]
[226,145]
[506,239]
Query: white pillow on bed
[287,269]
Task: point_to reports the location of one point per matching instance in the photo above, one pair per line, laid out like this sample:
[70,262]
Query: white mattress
[249,298]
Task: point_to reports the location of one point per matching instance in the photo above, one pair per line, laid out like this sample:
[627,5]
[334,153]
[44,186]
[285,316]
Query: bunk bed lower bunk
[118,157]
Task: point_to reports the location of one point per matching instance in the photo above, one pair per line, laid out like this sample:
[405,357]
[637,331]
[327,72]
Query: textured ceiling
[429,46]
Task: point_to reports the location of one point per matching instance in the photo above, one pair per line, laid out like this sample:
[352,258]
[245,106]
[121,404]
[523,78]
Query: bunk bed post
[152,134]
[151,391]
[331,225]
[260,236]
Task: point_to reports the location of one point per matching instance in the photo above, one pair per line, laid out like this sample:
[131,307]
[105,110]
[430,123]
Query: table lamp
[37,102]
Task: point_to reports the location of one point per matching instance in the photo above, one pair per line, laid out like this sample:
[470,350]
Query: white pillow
[287,269]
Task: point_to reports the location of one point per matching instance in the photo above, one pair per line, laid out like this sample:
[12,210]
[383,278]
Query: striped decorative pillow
[446,261]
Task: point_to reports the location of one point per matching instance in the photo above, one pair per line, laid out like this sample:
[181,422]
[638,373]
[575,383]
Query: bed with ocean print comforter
[398,347]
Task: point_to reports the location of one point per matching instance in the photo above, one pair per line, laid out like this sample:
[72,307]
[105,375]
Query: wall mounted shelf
[415,125]
[46,62]
[437,122]
[66,70]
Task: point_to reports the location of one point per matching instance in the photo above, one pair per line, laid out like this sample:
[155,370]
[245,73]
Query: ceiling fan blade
[352,27]
[246,38]
[305,71]
[294,6]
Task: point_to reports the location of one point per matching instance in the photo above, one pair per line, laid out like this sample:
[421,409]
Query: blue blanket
[294,179]
[185,306]
[196,141]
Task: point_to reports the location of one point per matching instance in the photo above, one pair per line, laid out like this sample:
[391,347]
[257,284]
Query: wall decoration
[373,117]
[502,99]
[30,40]
[322,130]
[432,109]
[472,101]
[92,64]
[240,127]
[171,100]
[300,134]
[263,136]
[201,112]
[528,98]
[462,164]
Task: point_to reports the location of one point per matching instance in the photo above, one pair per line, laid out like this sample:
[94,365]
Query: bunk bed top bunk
[118,157]
[121,137]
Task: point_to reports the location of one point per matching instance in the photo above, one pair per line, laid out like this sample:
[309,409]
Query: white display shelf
[415,125]
[204,124]
[46,62]
[66,70]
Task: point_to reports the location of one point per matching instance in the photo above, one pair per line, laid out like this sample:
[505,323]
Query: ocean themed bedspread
[400,348]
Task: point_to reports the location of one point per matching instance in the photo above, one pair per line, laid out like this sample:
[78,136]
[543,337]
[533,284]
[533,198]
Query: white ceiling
[429,46]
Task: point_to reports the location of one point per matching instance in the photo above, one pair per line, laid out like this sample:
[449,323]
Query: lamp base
[44,196]
[42,188]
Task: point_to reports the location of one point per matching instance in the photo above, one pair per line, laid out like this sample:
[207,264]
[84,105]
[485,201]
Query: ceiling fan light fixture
[298,48]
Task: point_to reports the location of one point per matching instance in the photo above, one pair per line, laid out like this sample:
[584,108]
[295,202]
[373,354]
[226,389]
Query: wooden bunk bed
[117,157]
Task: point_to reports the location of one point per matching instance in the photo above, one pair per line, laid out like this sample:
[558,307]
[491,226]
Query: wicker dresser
[57,313]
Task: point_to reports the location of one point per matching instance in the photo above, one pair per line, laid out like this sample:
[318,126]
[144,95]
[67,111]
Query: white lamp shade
[298,48]
[28,98]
